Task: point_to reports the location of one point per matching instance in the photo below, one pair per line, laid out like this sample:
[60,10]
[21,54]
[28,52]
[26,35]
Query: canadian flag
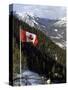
[28,37]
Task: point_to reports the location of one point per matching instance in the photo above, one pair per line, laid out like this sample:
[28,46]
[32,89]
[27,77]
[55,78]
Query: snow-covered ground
[60,45]
[52,37]
[28,77]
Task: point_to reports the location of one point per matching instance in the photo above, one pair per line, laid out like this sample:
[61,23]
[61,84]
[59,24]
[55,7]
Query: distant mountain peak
[61,22]
[64,18]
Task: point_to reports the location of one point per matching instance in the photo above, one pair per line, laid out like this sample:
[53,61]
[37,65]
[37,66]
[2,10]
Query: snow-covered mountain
[29,18]
[61,22]
[59,32]
[55,29]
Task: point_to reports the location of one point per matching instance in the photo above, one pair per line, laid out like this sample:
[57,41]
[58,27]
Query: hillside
[46,58]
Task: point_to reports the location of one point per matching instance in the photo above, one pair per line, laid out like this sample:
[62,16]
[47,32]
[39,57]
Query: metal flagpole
[20,56]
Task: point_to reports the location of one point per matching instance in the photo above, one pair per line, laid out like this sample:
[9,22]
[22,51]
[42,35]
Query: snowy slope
[61,22]
[28,18]
[59,33]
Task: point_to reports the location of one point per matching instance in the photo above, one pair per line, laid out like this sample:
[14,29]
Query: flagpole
[20,56]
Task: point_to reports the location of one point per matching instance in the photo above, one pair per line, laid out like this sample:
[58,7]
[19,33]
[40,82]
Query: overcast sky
[52,12]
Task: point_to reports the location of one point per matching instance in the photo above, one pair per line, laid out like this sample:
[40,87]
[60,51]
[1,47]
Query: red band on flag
[23,36]
[36,41]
